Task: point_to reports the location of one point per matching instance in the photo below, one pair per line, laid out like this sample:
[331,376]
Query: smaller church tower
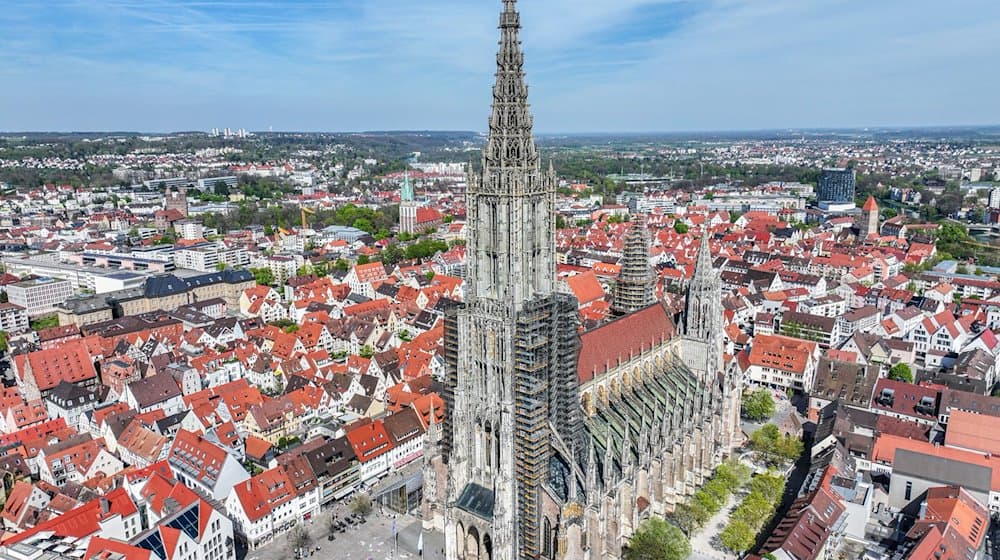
[703,318]
[634,290]
[702,332]
[869,219]
[407,206]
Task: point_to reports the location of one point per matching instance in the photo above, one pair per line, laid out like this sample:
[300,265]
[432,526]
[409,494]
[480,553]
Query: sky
[593,65]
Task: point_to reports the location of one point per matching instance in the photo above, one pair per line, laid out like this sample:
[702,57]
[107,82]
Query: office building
[837,185]
[40,296]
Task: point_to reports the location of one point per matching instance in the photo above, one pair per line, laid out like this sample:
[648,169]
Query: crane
[306,212]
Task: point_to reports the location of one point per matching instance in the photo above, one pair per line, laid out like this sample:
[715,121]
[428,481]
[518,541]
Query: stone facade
[556,444]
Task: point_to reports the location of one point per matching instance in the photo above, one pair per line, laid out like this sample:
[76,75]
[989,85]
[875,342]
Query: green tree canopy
[738,536]
[775,448]
[658,540]
[680,227]
[263,276]
[901,372]
[758,405]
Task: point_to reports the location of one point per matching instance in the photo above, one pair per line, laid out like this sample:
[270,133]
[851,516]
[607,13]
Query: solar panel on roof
[187,522]
[154,543]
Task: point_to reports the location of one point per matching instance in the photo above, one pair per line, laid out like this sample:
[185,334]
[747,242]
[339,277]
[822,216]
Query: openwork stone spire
[511,144]
[703,320]
[634,290]
[512,202]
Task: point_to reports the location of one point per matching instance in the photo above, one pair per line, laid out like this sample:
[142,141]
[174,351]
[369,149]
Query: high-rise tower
[634,290]
[512,381]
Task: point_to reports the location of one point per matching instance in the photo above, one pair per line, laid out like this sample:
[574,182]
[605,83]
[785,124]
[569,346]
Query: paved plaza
[372,540]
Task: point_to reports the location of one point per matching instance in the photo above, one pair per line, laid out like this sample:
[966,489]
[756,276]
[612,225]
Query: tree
[221,188]
[361,505]
[299,537]
[689,517]
[738,537]
[775,448]
[425,248]
[560,221]
[770,486]
[3,341]
[364,224]
[758,405]
[680,227]
[710,502]
[901,372]
[45,323]
[658,540]
[263,276]
[367,351]
[393,254]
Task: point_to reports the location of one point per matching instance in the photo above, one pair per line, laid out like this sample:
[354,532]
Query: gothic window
[487,547]
[547,539]
[489,447]
[472,544]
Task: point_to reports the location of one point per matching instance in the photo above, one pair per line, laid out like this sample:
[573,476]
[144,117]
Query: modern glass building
[837,185]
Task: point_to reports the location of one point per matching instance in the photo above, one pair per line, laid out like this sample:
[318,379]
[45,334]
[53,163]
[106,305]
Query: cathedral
[557,442]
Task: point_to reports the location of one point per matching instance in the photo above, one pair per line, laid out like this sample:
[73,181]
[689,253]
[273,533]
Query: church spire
[406,191]
[634,290]
[511,202]
[511,144]
[703,316]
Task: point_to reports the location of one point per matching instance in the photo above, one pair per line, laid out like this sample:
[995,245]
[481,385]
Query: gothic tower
[634,290]
[703,316]
[512,381]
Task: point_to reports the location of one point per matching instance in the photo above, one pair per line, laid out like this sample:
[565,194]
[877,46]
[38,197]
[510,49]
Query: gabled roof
[369,440]
[586,287]
[154,390]
[623,339]
[83,521]
[69,362]
[197,457]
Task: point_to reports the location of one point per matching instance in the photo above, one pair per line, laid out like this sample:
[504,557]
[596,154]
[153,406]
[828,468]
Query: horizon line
[874,128]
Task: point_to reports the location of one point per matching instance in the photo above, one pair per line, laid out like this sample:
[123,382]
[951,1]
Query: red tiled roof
[586,287]
[603,347]
[108,549]
[198,457]
[369,440]
[83,521]
[256,447]
[69,362]
[906,397]
[978,432]
[781,353]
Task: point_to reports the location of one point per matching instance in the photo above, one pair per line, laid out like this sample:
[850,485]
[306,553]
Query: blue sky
[593,65]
